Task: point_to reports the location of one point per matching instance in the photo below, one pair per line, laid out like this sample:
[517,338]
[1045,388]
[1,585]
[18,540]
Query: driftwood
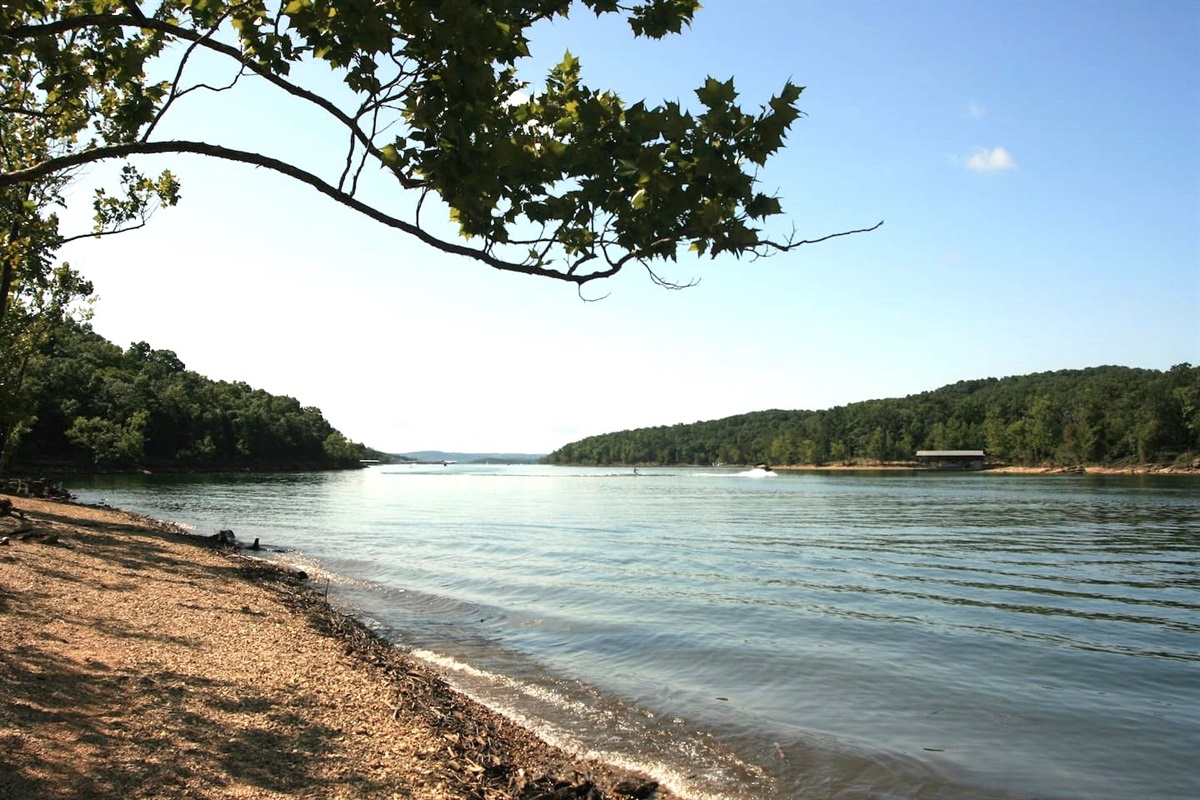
[586,790]
[24,530]
[294,571]
[34,487]
[38,536]
[224,538]
[227,538]
[639,790]
[8,510]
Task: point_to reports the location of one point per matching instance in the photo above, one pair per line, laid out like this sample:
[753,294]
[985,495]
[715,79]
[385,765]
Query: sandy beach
[140,662]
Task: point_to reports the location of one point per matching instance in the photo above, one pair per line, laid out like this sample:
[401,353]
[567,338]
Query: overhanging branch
[607,232]
[205,40]
[95,155]
[791,245]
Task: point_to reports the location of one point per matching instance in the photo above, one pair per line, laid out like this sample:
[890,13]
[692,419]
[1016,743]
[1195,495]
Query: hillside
[91,405]
[1099,416]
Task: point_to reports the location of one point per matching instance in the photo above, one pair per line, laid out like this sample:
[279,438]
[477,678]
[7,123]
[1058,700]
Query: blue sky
[1037,165]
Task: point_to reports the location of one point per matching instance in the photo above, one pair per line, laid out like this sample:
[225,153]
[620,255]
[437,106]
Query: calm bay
[806,635]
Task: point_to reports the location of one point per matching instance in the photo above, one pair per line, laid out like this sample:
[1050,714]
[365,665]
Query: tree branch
[204,40]
[94,155]
[790,245]
[98,234]
[602,231]
[176,92]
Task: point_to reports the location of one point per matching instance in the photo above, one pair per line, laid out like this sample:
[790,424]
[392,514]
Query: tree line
[1101,416]
[87,404]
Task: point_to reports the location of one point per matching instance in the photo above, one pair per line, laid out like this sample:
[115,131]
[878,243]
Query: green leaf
[763,206]
[715,93]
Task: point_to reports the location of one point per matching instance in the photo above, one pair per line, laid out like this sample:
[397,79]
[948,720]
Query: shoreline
[1142,469]
[998,469]
[142,662]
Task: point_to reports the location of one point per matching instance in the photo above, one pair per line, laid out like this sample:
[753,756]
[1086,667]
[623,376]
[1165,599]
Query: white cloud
[995,159]
[975,111]
[518,98]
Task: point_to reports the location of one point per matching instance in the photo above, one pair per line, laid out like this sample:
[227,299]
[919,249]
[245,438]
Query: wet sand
[137,661]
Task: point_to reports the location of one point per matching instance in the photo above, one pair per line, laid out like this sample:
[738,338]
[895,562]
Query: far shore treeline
[1113,416]
[92,405]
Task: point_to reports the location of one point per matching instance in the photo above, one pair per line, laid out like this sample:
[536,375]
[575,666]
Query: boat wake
[758,472]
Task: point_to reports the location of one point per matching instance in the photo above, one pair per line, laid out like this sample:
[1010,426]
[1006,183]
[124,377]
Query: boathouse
[950,459]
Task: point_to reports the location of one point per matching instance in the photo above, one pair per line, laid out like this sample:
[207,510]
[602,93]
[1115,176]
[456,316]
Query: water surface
[864,635]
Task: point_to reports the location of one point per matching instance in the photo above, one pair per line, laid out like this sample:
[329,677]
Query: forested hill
[93,404]
[1102,415]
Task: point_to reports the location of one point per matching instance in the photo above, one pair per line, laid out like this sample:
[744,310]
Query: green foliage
[340,450]
[92,404]
[41,301]
[139,198]
[64,91]
[111,443]
[553,178]
[59,94]
[1102,416]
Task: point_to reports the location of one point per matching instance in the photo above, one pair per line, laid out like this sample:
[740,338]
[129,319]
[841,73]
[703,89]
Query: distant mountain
[440,455]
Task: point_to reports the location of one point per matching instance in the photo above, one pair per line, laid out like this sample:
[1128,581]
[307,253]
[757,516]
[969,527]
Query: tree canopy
[1100,416]
[557,179]
[93,405]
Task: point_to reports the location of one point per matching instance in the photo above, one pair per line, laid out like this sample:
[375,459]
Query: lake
[806,635]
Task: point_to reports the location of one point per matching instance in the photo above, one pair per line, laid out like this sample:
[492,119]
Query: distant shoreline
[998,469]
[1140,469]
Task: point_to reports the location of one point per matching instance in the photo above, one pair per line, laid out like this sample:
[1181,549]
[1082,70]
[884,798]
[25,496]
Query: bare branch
[177,93]
[791,245]
[98,234]
[579,291]
[575,265]
[659,280]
